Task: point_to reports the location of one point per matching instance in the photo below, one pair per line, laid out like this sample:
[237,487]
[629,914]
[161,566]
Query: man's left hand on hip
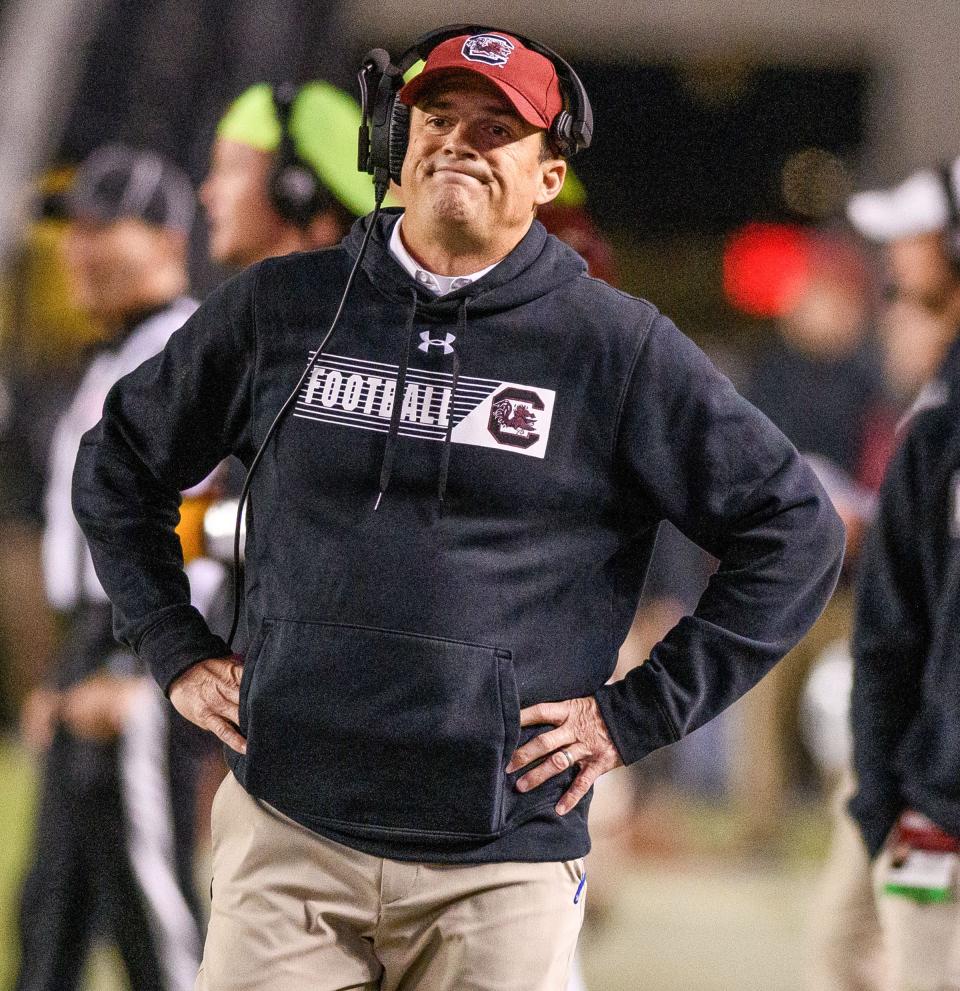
[580,737]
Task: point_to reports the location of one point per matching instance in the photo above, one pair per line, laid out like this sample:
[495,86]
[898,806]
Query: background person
[913,223]
[906,605]
[114,830]
[283,173]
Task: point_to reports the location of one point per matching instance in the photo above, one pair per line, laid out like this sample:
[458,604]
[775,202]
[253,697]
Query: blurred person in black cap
[906,735]
[445,548]
[114,830]
[283,173]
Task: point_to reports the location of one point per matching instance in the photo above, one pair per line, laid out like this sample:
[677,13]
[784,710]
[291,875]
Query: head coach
[446,541]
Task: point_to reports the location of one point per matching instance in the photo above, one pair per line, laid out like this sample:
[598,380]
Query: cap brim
[412,90]
[917,206]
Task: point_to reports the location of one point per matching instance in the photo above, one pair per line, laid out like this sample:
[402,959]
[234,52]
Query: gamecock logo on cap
[488,48]
[513,417]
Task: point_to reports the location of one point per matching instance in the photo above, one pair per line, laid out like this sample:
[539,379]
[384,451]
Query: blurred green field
[17,794]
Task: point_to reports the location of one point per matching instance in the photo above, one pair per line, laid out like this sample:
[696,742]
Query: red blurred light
[765,268]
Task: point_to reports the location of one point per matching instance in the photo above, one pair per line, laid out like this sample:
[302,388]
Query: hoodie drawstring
[390,449]
[445,455]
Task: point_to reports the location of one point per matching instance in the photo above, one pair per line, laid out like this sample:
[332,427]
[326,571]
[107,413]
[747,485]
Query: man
[904,661]
[282,177]
[445,548]
[114,839]
[903,711]
[917,224]
[259,205]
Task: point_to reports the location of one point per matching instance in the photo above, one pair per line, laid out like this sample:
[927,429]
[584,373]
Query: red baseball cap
[525,77]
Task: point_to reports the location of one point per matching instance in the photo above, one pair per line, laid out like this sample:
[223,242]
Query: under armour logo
[428,342]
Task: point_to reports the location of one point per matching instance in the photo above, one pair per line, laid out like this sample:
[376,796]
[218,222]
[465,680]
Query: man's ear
[552,173]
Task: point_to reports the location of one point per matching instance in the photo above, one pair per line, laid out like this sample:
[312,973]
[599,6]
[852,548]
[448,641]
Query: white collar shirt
[438,284]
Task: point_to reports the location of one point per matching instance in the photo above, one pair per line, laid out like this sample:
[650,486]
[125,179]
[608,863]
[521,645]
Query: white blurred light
[219,528]
[825,709]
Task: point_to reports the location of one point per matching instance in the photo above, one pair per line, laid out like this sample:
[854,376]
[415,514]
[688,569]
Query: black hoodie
[904,712]
[548,423]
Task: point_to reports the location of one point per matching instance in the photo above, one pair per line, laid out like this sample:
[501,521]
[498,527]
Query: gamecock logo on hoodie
[513,417]
[488,48]
[510,417]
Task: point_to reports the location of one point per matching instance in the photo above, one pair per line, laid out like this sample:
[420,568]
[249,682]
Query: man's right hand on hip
[208,694]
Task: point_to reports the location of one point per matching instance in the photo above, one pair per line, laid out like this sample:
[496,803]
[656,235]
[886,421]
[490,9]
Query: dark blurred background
[728,137]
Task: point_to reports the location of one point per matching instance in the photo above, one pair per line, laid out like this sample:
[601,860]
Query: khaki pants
[923,941]
[293,911]
[849,953]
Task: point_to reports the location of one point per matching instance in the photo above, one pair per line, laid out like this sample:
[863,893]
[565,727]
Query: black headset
[385,128]
[953,214]
[295,189]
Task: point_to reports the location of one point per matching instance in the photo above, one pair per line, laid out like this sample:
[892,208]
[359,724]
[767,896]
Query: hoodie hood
[539,264]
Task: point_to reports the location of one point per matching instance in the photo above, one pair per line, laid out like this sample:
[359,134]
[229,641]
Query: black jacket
[547,424]
[906,720]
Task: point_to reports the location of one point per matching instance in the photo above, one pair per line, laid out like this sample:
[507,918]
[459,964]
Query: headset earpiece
[561,134]
[399,137]
[383,130]
[295,190]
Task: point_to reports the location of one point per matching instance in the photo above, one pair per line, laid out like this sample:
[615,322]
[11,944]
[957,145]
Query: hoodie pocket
[378,732]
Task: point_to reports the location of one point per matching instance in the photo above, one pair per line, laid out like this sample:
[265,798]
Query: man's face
[920,270]
[110,263]
[828,320]
[914,340]
[243,225]
[473,163]
[920,320]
